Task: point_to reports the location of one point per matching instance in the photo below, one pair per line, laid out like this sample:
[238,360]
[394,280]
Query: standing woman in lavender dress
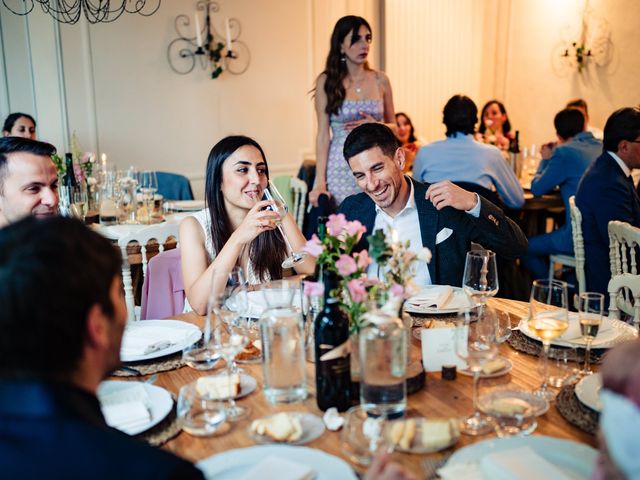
[347,94]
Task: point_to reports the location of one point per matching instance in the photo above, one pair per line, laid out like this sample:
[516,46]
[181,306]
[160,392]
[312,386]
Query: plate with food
[293,428]
[220,387]
[422,435]
[495,368]
[148,339]
[438,299]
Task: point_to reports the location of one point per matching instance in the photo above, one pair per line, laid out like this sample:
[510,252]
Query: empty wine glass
[548,319]
[280,207]
[148,188]
[590,308]
[475,343]
[480,279]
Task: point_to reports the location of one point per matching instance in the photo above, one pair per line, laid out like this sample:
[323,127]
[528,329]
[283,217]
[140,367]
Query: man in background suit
[606,193]
[442,217]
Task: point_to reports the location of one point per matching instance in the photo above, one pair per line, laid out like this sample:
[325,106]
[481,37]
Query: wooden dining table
[439,398]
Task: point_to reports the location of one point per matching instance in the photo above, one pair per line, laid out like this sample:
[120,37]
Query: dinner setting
[332,239]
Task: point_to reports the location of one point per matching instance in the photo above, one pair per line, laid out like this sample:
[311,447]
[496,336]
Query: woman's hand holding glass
[258,220]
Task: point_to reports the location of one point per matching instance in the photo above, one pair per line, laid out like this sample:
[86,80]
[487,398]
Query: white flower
[424,255]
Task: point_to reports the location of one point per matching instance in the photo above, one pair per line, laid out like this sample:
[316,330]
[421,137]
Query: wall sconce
[184,52]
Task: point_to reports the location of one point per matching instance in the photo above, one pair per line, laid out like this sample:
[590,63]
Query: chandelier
[207,47]
[95,11]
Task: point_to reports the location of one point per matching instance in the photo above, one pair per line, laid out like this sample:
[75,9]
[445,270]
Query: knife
[156,347]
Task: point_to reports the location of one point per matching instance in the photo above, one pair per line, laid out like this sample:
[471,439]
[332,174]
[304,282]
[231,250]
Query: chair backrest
[578,243]
[624,240]
[299,194]
[173,186]
[161,233]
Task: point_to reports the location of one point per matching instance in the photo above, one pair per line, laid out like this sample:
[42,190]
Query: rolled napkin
[139,339]
[520,463]
[573,334]
[434,297]
[280,468]
[126,408]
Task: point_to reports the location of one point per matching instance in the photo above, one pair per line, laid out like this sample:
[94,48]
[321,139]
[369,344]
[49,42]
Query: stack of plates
[187,333]
[588,391]
[185,205]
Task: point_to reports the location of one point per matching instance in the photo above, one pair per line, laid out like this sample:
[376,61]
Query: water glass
[283,344]
[480,278]
[198,415]
[362,434]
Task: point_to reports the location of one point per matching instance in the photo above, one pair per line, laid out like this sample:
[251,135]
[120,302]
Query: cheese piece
[218,387]
[508,407]
[436,433]
[493,366]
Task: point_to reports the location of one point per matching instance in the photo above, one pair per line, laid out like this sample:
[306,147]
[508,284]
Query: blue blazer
[492,229]
[57,431]
[604,194]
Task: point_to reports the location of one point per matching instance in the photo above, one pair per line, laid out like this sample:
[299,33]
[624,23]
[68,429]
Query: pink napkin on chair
[163,289]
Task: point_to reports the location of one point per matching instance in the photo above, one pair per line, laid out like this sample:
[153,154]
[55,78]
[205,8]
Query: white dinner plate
[116,232]
[588,391]
[458,301]
[159,398]
[193,336]
[257,303]
[233,464]
[576,460]
[617,332]
[312,428]
[185,205]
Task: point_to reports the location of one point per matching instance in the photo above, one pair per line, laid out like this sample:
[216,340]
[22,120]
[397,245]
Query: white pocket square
[443,235]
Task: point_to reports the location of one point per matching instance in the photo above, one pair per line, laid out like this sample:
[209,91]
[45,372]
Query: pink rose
[357,290]
[364,260]
[397,290]
[313,289]
[346,265]
[313,247]
[336,224]
[355,229]
[85,157]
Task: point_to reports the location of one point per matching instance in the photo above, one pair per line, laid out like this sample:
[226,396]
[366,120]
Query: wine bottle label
[335,352]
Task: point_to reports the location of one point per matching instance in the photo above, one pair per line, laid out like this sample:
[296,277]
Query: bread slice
[508,407]
[493,366]
[218,387]
[436,433]
[280,427]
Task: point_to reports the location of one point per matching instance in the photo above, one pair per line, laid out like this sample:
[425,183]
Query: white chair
[578,243]
[161,233]
[299,194]
[624,286]
[569,260]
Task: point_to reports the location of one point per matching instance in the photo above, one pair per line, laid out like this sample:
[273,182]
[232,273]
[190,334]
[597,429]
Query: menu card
[438,348]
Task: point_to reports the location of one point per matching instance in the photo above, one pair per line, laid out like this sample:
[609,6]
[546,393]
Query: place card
[438,348]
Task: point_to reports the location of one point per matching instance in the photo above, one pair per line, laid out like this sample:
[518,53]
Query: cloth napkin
[139,337]
[439,297]
[520,463]
[280,468]
[258,304]
[127,408]
[574,335]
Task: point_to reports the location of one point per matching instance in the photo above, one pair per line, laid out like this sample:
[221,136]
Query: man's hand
[446,194]
[383,469]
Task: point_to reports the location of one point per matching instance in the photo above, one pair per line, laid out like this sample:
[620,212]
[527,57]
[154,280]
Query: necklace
[356,84]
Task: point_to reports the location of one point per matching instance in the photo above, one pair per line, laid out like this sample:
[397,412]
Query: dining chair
[161,233]
[299,194]
[571,260]
[624,286]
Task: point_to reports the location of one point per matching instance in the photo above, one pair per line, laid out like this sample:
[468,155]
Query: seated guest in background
[562,165]
[28,180]
[442,217]
[19,125]
[236,228]
[581,105]
[606,193]
[460,158]
[495,127]
[62,319]
[408,140]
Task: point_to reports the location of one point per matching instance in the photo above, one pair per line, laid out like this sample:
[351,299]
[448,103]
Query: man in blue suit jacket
[606,193]
[62,319]
[441,216]
[562,166]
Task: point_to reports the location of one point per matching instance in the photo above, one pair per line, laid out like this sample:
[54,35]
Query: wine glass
[280,207]
[480,279]
[475,343]
[79,200]
[548,319]
[148,187]
[590,308]
[229,339]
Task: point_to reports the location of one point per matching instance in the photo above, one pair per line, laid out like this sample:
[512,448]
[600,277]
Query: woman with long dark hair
[408,140]
[236,228]
[347,94]
[495,127]
[19,124]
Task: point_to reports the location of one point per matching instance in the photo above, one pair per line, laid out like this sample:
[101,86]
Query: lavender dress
[340,181]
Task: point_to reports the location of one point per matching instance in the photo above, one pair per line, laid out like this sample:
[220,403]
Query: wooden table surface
[440,398]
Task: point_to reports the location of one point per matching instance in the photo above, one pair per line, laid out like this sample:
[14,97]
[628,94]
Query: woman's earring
[343,57]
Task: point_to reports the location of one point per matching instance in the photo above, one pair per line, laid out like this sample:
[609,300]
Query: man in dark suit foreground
[441,216]
[62,316]
[606,193]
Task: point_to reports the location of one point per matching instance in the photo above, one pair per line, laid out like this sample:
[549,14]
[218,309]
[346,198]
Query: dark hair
[10,145]
[268,249]
[506,126]
[335,68]
[578,103]
[412,134]
[460,114]
[368,136]
[11,120]
[52,272]
[623,124]
[569,122]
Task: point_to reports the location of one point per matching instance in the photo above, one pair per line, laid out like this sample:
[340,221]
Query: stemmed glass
[148,187]
[79,200]
[480,279]
[475,343]
[280,207]
[590,308]
[548,319]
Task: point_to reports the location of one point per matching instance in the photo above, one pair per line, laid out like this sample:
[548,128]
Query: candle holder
[207,47]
